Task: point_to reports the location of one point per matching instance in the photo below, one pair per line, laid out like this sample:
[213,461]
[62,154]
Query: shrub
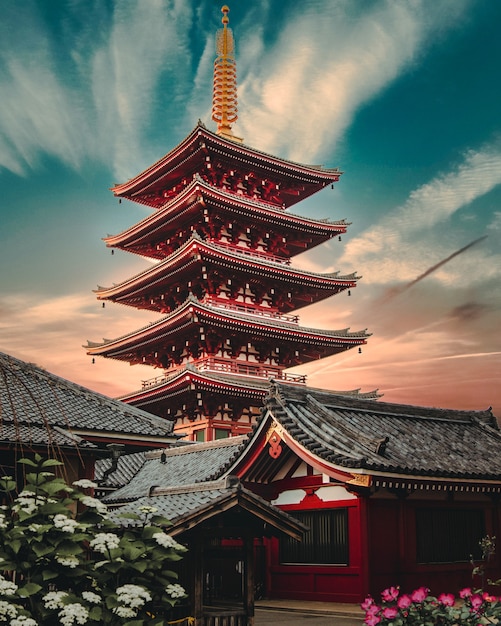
[421,609]
[65,561]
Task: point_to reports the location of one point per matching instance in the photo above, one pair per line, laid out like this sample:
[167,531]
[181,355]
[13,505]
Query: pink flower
[488,598]
[372,620]
[419,595]
[447,599]
[476,602]
[390,612]
[390,594]
[372,610]
[465,593]
[368,602]
[404,601]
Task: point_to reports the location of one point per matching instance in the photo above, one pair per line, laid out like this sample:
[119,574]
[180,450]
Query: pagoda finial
[224,100]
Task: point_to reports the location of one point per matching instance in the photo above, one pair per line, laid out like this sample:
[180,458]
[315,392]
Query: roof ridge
[197,447]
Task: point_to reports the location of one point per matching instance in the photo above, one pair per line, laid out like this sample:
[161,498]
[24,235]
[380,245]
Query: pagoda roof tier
[199,328]
[165,395]
[171,391]
[199,205]
[226,162]
[207,266]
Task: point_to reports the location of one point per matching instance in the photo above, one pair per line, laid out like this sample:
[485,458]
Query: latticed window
[448,535]
[325,543]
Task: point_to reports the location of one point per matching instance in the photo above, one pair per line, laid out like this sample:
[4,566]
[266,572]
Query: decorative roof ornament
[224,99]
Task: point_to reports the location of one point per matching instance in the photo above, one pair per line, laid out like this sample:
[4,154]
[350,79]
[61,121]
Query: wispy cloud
[95,103]
[407,249]
[329,62]
[51,332]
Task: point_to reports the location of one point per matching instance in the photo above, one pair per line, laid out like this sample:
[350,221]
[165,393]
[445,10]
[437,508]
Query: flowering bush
[421,609]
[64,561]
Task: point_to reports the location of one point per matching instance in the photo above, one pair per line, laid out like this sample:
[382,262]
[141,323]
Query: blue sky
[403,96]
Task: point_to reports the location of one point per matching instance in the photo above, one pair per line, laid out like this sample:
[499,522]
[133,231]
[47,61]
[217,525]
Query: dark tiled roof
[179,466]
[128,466]
[174,506]
[186,506]
[40,407]
[412,440]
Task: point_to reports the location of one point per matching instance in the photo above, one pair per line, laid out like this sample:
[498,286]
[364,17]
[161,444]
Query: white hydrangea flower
[3,521]
[54,599]
[91,597]
[68,561]
[166,541]
[34,528]
[84,483]
[103,542]
[133,596]
[94,503]
[7,588]
[124,611]
[74,613]
[7,610]
[23,620]
[146,510]
[175,591]
[65,523]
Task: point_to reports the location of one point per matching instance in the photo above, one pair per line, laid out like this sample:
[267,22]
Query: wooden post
[249,578]
[198,580]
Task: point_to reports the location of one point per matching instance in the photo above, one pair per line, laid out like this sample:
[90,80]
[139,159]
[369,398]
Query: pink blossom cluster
[396,609]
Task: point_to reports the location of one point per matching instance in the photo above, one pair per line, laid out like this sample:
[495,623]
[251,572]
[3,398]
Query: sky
[404,96]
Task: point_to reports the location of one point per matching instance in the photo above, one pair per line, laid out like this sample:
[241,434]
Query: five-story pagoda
[223,281]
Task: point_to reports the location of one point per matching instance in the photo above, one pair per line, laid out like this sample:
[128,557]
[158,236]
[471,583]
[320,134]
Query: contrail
[395,291]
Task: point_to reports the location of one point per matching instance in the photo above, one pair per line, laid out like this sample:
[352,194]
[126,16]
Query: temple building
[223,240]
[380,494]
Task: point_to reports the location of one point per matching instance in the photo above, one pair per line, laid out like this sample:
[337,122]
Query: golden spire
[224,100]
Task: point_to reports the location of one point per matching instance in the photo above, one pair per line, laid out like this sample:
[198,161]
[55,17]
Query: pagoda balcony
[251,310]
[227,366]
[267,256]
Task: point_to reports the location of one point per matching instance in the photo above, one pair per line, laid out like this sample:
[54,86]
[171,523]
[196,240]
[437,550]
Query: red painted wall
[326,583]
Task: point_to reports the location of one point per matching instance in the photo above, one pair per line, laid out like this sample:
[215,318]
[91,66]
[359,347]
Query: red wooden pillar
[365,569]
[249,579]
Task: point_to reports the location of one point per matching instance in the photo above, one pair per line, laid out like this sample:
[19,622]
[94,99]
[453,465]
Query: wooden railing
[251,310]
[227,366]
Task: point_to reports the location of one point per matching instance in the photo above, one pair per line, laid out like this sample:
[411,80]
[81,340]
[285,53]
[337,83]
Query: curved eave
[194,313]
[188,198]
[221,256]
[144,181]
[192,380]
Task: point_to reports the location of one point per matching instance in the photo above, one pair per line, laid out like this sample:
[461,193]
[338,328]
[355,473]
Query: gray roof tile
[413,440]
[182,466]
[34,402]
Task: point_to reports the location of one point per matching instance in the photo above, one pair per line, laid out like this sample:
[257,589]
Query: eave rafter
[196,330]
[202,147]
[204,269]
[200,207]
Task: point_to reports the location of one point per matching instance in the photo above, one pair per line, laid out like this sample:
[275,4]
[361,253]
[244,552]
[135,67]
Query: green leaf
[133,551]
[27,462]
[139,566]
[96,613]
[160,520]
[129,516]
[41,549]
[15,545]
[51,463]
[28,590]
[68,548]
[48,574]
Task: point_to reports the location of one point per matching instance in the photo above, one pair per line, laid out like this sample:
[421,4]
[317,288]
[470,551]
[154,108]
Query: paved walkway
[269,612]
